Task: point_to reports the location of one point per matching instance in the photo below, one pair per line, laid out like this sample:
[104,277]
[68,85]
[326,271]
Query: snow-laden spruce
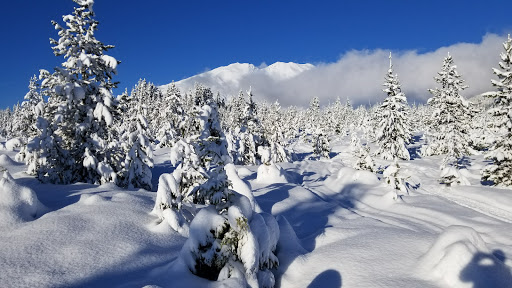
[450,124]
[314,130]
[136,172]
[274,133]
[393,127]
[25,124]
[75,128]
[500,171]
[172,116]
[452,114]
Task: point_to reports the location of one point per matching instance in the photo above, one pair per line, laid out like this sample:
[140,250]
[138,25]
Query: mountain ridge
[230,79]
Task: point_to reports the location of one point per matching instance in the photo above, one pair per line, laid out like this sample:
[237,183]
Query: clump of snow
[167,208]
[460,258]
[264,153]
[451,176]
[17,203]
[244,172]
[348,175]
[12,144]
[272,173]
[88,199]
[241,186]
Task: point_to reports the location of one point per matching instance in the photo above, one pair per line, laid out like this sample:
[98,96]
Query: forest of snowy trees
[70,128]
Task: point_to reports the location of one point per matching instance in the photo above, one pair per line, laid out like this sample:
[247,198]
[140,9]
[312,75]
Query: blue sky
[171,40]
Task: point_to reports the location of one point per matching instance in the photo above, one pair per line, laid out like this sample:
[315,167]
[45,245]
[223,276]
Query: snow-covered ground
[339,228]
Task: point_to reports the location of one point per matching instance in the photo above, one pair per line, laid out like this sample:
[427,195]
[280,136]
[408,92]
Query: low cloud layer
[359,75]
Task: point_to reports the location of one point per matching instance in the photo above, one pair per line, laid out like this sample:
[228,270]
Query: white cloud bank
[359,75]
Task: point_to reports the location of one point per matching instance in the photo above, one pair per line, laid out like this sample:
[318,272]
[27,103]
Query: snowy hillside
[339,228]
[228,80]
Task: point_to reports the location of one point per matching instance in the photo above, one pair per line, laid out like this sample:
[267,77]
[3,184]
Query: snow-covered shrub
[170,207]
[393,178]
[364,159]
[271,173]
[236,244]
[13,144]
[321,144]
[451,176]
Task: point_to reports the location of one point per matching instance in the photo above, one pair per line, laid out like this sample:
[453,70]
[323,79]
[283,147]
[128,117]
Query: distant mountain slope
[229,80]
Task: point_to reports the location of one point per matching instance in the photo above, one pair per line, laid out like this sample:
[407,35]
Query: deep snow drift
[339,227]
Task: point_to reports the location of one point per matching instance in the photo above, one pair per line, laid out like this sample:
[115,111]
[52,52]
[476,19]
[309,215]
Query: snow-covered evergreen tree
[393,124]
[500,171]
[450,121]
[31,108]
[251,134]
[136,172]
[172,116]
[78,113]
[394,179]
[227,238]
[364,159]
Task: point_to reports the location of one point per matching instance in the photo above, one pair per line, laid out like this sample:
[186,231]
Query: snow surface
[339,227]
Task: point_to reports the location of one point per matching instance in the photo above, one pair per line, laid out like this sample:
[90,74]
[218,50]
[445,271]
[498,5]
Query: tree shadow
[55,196]
[487,270]
[277,192]
[158,170]
[137,275]
[300,156]
[464,162]
[309,219]
[333,154]
[327,279]
[415,150]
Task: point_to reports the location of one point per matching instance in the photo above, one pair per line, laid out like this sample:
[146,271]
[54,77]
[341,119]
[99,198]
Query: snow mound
[460,258]
[17,203]
[244,172]
[87,199]
[6,161]
[348,175]
[272,173]
[12,144]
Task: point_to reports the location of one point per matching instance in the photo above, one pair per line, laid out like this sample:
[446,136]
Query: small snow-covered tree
[31,108]
[393,124]
[251,132]
[321,144]
[78,114]
[500,171]
[171,115]
[450,173]
[394,179]
[364,159]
